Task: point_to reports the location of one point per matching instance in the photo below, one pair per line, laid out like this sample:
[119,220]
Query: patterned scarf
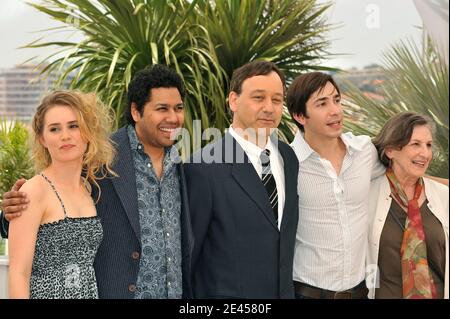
[416,277]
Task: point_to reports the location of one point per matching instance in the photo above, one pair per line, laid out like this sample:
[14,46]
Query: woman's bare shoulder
[36,187]
[37,192]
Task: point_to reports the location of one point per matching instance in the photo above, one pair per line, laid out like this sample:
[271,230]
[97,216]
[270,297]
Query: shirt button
[139,147]
[167,234]
[168,259]
[135,255]
[132,288]
[163,210]
[168,284]
[149,165]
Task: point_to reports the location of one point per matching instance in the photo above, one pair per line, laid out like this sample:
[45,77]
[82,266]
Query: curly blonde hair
[95,122]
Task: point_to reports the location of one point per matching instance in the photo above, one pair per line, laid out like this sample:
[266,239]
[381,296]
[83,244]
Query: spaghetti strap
[56,192]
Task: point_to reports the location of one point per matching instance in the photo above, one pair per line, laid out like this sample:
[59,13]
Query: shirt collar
[249,147]
[171,155]
[135,143]
[352,143]
[303,150]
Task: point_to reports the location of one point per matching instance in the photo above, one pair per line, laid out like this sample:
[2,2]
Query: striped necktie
[269,182]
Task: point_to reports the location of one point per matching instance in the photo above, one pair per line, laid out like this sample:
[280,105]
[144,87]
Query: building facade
[21,89]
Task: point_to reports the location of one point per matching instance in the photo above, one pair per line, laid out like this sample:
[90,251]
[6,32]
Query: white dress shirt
[331,239]
[276,164]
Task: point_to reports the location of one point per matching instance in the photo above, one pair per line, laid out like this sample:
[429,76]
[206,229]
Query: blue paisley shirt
[159,203]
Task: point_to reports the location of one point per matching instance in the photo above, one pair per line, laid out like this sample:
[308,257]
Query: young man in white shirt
[335,170]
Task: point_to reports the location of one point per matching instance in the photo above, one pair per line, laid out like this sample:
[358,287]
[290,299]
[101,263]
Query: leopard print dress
[64,258]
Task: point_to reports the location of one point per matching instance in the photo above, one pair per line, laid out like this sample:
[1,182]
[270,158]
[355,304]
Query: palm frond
[203,40]
[417,81]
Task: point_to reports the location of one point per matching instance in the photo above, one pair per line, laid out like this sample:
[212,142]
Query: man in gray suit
[243,196]
[147,237]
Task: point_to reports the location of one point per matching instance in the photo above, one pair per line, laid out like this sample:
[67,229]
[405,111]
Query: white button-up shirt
[276,164]
[331,239]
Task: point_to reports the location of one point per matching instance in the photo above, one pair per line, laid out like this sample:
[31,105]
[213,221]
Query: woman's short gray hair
[397,132]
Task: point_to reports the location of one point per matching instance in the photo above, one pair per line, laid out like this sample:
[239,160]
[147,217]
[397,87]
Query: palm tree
[121,37]
[417,81]
[203,40]
[288,33]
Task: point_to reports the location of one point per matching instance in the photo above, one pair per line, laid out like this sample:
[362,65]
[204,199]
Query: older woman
[408,233]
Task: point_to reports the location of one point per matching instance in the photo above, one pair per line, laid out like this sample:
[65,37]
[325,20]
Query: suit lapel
[186,230]
[125,184]
[247,178]
[289,181]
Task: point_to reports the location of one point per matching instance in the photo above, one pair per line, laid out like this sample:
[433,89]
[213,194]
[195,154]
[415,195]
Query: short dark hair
[301,90]
[153,77]
[250,69]
[397,132]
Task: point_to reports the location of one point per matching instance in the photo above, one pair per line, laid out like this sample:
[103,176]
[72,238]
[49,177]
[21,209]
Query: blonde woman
[53,245]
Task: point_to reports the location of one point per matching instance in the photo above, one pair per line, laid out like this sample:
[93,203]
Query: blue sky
[368,28]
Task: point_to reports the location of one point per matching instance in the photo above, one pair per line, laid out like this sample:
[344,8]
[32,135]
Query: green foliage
[15,159]
[203,40]
[417,81]
[121,37]
[288,33]
[2,246]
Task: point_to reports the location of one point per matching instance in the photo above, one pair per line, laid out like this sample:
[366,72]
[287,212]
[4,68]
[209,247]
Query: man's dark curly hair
[153,77]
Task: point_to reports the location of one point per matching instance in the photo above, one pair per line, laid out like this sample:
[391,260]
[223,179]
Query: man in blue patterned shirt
[147,241]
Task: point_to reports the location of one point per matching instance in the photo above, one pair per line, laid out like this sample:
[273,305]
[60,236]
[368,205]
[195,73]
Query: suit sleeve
[200,204]
[4,225]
